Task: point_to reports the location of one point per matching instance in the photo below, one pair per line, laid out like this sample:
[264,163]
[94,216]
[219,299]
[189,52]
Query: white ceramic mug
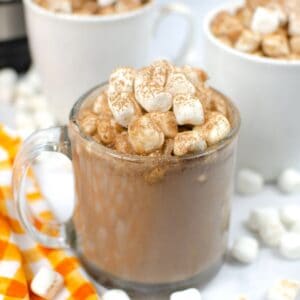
[267,92]
[73,52]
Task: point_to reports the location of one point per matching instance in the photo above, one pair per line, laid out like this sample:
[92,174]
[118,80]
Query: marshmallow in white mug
[189,294]
[265,21]
[284,289]
[105,2]
[188,110]
[62,6]
[289,246]
[248,41]
[46,283]
[245,249]
[294,24]
[115,295]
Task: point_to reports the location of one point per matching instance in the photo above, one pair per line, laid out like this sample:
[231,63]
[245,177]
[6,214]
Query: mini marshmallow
[25,89]
[89,124]
[248,41]
[276,45]
[46,283]
[149,88]
[249,182]
[215,129]
[265,21]
[144,135]
[178,83]
[295,45]
[188,110]
[294,24]
[282,15]
[62,6]
[271,232]
[258,215]
[166,121]
[289,246]
[122,143]
[115,295]
[33,78]
[121,80]
[189,142]
[8,77]
[284,290]
[194,75]
[105,2]
[6,94]
[123,108]
[289,181]
[189,294]
[290,214]
[295,227]
[245,249]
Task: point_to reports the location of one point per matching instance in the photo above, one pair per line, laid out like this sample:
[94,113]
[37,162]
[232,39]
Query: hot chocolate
[153,154]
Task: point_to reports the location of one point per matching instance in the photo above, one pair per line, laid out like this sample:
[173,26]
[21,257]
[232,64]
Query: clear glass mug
[140,223]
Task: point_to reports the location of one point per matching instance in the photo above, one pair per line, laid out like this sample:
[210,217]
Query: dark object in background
[14,50]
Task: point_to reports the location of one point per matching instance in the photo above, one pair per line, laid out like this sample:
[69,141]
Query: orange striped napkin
[20,256]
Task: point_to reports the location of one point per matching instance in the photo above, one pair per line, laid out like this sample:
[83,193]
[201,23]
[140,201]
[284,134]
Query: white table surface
[233,279]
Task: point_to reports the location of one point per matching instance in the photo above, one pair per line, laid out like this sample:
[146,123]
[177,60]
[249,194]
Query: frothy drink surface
[145,214]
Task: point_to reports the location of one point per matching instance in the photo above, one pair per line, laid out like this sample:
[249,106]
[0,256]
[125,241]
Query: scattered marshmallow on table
[249,182]
[290,214]
[289,181]
[115,295]
[259,215]
[265,21]
[290,245]
[295,227]
[189,294]
[8,77]
[46,283]
[284,290]
[245,249]
[271,232]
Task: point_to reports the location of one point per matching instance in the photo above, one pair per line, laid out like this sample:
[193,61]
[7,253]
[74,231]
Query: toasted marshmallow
[294,24]
[284,290]
[149,88]
[166,121]
[279,9]
[248,41]
[215,128]
[271,232]
[62,6]
[107,130]
[249,182]
[122,143]
[190,294]
[188,110]
[290,214]
[179,84]
[144,134]
[105,2]
[89,123]
[194,75]
[189,142]
[245,249]
[100,106]
[46,283]
[295,45]
[289,181]
[265,21]
[115,295]
[123,108]
[289,246]
[276,45]
[259,215]
[121,80]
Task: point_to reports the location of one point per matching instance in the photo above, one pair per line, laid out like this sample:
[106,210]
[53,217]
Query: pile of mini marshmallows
[25,96]
[263,28]
[156,107]
[90,7]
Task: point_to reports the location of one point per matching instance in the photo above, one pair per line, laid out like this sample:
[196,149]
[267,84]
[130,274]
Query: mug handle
[51,140]
[185,12]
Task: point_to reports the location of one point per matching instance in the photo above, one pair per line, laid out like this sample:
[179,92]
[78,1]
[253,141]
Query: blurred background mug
[267,93]
[74,52]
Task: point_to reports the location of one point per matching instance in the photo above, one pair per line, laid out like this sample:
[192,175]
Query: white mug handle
[185,12]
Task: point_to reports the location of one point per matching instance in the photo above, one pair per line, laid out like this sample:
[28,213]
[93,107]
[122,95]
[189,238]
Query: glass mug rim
[99,148]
